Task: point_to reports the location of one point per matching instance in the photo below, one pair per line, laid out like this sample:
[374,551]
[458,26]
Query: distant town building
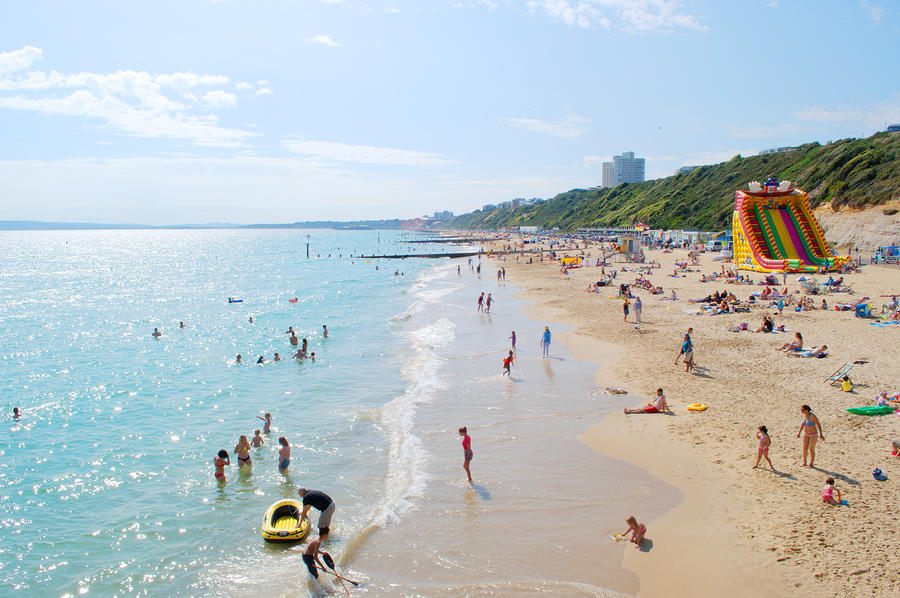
[488,207]
[623,169]
[894,128]
[775,150]
[442,216]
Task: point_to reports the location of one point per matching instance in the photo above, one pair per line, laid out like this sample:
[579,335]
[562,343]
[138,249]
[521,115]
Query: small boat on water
[281,523]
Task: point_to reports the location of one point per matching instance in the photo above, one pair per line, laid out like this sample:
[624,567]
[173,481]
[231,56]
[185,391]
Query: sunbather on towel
[820,352]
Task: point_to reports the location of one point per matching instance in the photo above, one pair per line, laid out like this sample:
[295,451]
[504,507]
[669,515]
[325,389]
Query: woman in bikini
[220,461]
[242,448]
[812,432]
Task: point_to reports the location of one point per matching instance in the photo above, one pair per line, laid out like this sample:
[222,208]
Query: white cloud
[243,86]
[811,119]
[132,102]
[263,91]
[875,11]
[220,99]
[18,60]
[635,16]
[329,151]
[324,40]
[568,127]
[595,160]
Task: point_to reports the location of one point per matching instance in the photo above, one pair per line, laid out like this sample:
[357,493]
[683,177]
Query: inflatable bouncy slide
[775,231]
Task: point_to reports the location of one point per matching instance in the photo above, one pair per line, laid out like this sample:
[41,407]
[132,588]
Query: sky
[263,111]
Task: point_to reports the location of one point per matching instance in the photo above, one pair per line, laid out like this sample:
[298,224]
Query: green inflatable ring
[871,410]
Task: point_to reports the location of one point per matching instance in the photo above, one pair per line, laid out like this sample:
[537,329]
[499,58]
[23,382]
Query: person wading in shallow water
[467,451]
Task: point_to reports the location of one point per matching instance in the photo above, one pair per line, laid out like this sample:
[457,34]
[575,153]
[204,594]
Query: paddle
[350,581]
[330,563]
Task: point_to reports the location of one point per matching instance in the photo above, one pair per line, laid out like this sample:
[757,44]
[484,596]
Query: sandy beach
[741,531]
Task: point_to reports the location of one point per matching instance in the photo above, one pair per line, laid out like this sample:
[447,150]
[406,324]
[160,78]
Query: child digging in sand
[828,493]
[763,450]
[637,531]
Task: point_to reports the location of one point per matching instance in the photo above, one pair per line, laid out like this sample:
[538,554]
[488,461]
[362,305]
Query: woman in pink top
[467,451]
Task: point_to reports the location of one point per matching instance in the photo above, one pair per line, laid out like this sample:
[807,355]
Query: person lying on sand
[820,352]
[658,405]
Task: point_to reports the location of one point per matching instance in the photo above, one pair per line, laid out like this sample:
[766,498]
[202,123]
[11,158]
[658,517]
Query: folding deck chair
[837,377]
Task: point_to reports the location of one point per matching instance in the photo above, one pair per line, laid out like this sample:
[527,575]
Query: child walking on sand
[763,451]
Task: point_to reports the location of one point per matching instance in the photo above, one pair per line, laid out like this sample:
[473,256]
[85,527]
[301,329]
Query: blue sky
[279,110]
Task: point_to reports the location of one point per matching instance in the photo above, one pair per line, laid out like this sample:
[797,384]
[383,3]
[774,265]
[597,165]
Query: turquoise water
[106,482]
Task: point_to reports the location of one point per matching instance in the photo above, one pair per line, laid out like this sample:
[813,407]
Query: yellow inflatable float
[281,523]
[696,407]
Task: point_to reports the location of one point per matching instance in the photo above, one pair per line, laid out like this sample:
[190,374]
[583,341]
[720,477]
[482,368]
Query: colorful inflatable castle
[775,231]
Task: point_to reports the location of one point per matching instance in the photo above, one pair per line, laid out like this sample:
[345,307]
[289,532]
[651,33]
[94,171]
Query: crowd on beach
[770,294]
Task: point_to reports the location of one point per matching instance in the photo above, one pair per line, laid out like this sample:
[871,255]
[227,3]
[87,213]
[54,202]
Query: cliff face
[865,228]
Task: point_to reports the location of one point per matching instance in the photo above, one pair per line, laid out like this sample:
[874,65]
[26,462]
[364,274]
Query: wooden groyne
[445,240]
[402,256]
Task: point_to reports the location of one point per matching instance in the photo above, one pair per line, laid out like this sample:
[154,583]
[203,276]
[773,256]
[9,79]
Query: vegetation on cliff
[846,173]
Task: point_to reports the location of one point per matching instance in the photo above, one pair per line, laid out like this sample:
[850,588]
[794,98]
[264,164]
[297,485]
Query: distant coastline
[393,224]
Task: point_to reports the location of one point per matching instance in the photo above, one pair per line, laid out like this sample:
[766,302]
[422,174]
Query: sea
[106,479]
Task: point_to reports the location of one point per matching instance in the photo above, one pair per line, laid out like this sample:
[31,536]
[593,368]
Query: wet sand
[741,531]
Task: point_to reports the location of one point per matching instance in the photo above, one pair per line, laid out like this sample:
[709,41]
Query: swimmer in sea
[294,340]
[242,448]
[290,330]
[257,440]
[304,345]
[16,413]
[277,357]
[156,333]
[267,426]
[284,455]
[251,319]
[261,359]
[300,354]
[181,324]
[238,358]
[324,331]
[220,461]
[312,357]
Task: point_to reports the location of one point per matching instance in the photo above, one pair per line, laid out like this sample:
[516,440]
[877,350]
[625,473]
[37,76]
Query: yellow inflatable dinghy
[281,523]
[696,407]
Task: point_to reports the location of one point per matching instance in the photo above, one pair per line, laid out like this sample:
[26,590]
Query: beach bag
[745,326]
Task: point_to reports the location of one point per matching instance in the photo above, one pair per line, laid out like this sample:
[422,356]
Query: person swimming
[16,413]
[261,359]
[238,358]
[277,357]
[156,333]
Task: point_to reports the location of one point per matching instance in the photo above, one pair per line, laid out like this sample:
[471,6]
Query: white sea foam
[406,477]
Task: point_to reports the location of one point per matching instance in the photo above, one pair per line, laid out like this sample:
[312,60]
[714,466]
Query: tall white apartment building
[623,169]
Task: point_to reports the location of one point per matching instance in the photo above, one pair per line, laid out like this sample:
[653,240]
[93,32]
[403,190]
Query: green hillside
[850,172]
